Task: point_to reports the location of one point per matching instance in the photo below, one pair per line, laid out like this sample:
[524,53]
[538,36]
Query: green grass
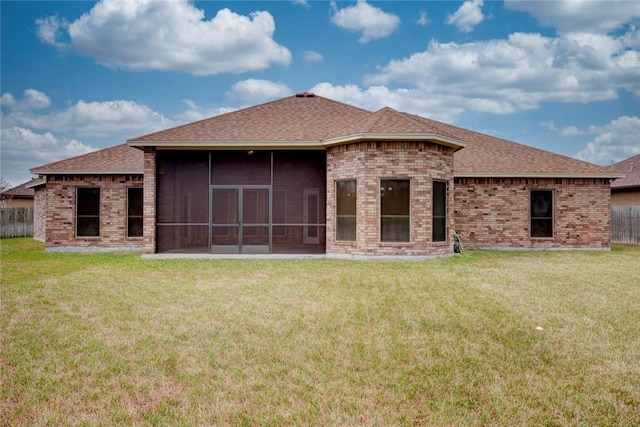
[111,339]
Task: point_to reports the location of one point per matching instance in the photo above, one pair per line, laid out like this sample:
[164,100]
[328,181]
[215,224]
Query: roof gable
[388,123]
[119,160]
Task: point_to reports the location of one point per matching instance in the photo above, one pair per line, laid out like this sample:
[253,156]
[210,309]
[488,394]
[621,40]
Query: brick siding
[149,202]
[370,162]
[60,212]
[493,213]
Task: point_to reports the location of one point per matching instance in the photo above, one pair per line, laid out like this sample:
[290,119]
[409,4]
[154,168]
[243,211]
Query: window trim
[408,216]
[433,212]
[78,216]
[354,216]
[552,210]
[129,216]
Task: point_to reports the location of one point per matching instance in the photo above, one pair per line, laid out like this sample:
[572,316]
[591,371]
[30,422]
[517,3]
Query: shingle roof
[388,123]
[309,121]
[631,168]
[488,156]
[19,192]
[121,159]
[303,118]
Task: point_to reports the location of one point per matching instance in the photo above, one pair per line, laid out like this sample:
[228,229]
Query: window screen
[88,212]
[439,215]
[541,213]
[394,210]
[346,210]
[134,212]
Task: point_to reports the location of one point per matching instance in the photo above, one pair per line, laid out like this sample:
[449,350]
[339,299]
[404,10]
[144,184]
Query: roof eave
[534,175]
[36,182]
[432,137]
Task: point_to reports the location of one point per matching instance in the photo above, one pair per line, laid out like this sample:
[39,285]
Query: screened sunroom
[241,201]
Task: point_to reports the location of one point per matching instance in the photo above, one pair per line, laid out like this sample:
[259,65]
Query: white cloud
[613,142]
[371,22]
[113,119]
[169,35]
[423,19]
[195,112]
[312,56]
[566,131]
[31,100]
[410,100]
[254,90]
[50,29]
[23,149]
[519,73]
[467,16]
[580,15]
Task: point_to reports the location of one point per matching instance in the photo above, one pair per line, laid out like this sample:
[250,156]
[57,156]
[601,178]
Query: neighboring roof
[631,168]
[119,160]
[21,191]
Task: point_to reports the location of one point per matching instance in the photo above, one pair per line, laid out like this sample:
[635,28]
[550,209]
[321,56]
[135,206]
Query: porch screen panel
[182,201]
[243,167]
[299,200]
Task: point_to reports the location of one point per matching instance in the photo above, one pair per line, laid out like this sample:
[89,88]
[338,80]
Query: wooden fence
[16,222]
[625,225]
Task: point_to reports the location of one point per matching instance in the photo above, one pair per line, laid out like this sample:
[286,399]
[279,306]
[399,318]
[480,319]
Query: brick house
[308,175]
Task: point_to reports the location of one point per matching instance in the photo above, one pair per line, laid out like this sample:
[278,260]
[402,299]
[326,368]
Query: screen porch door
[240,220]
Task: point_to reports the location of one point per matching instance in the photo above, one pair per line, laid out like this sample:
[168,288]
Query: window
[439,213]
[394,210]
[87,211]
[541,213]
[346,210]
[134,212]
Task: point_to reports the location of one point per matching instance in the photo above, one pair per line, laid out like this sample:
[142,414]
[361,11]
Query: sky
[77,76]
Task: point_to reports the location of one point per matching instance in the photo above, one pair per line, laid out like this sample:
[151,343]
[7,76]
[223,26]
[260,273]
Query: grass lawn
[518,338]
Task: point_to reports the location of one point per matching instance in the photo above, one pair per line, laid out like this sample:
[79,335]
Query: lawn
[487,338]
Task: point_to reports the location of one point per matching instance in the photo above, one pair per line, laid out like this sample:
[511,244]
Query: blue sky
[559,75]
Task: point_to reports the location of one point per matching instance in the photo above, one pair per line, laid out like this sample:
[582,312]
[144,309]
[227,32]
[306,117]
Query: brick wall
[368,163]
[149,200]
[60,212]
[494,213]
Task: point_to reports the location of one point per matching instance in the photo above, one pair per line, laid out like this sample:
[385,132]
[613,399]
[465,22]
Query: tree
[4,184]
